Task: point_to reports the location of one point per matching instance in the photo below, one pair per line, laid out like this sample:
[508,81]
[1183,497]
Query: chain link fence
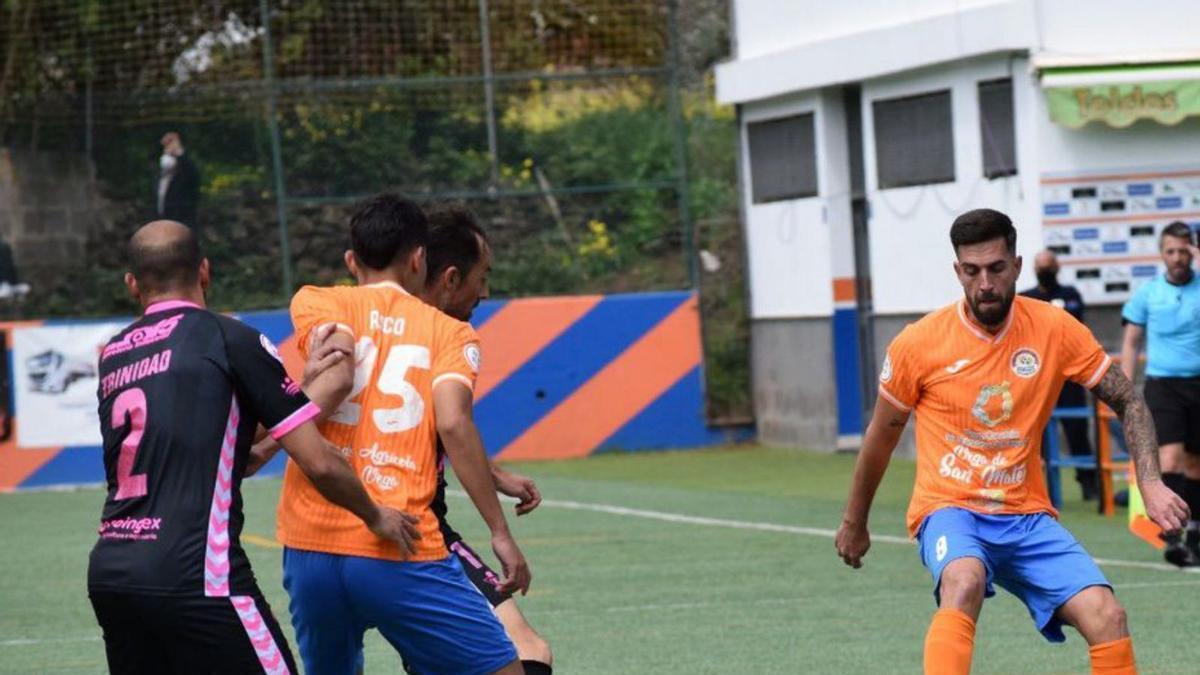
[566,125]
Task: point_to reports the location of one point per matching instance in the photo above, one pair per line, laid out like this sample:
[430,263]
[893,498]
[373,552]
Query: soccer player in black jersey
[182,393]
[458,260]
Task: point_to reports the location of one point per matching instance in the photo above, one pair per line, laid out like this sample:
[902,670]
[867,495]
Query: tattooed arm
[1163,506]
[1118,392]
[883,433]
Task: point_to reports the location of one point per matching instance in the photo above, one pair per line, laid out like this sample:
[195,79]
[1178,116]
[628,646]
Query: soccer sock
[949,643]
[1193,534]
[1175,481]
[1113,658]
[537,668]
[1191,495]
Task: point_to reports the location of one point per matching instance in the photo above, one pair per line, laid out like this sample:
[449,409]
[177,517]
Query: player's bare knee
[1191,466]
[1097,615]
[963,584]
[530,645]
[533,647]
[1171,458]
[1112,617]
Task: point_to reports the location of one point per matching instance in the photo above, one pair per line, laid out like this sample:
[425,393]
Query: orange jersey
[982,401]
[386,429]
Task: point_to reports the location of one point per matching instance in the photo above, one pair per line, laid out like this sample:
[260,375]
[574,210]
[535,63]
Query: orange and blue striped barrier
[562,377]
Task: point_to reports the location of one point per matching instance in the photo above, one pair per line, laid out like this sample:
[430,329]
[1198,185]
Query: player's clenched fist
[517,576]
[399,527]
[1164,507]
[852,543]
[323,354]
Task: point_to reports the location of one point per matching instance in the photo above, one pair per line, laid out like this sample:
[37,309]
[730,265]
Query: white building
[867,126]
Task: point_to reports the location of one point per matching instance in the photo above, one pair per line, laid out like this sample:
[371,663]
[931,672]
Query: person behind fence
[1166,312]
[1045,266]
[981,376]
[177,188]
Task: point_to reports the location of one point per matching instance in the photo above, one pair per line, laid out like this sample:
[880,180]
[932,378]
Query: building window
[914,140]
[996,128]
[783,158]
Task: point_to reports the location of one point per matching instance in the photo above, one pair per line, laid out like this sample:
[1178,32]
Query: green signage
[1166,101]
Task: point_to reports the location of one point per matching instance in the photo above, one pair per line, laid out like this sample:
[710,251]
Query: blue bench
[1055,460]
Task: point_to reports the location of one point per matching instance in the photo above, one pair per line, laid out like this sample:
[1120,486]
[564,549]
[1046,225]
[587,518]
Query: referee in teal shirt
[1166,311]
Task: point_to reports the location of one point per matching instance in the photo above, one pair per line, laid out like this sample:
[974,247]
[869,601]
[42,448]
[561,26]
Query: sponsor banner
[558,378]
[1120,105]
[1104,224]
[54,383]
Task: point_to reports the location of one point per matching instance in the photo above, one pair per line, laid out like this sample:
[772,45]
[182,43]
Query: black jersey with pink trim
[182,391]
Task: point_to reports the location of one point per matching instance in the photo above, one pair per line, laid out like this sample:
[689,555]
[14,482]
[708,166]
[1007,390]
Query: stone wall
[795,398]
[49,205]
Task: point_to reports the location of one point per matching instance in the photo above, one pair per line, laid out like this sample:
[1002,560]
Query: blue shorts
[428,611]
[1031,556]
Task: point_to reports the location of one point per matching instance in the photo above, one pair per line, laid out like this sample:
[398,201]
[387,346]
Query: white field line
[788,529]
[23,642]
[650,607]
[762,602]
[711,522]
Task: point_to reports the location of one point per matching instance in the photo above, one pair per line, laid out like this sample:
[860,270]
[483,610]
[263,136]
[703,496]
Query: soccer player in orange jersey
[414,369]
[982,376]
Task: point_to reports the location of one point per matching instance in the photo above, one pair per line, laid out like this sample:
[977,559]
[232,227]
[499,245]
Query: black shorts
[482,576]
[1175,404]
[148,634]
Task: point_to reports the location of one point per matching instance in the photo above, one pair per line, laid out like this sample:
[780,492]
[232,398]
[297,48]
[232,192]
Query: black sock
[537,668]
[1175,481]
[1191,495]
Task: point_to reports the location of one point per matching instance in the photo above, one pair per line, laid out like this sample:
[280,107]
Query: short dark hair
[1177,229]
[386,227]
[172,265]
[455,239]
[980,225]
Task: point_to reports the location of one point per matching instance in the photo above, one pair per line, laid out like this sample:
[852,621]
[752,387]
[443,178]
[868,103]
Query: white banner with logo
[54,383]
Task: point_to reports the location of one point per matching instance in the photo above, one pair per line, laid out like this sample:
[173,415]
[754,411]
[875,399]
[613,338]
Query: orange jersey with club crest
[385,428]
[981,402]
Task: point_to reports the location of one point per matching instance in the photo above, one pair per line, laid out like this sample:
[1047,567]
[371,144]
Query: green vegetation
[582,198]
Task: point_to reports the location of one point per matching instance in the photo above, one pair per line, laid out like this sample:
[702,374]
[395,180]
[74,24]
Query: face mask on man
[1047,278]
[166,162]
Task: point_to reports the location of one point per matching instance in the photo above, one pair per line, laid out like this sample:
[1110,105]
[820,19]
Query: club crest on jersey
[270,347]
[473,356]
[885,375]
[1025,362]
[986,394]
[990,500]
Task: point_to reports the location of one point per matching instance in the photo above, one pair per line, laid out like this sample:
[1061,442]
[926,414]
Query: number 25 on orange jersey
[391,381]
